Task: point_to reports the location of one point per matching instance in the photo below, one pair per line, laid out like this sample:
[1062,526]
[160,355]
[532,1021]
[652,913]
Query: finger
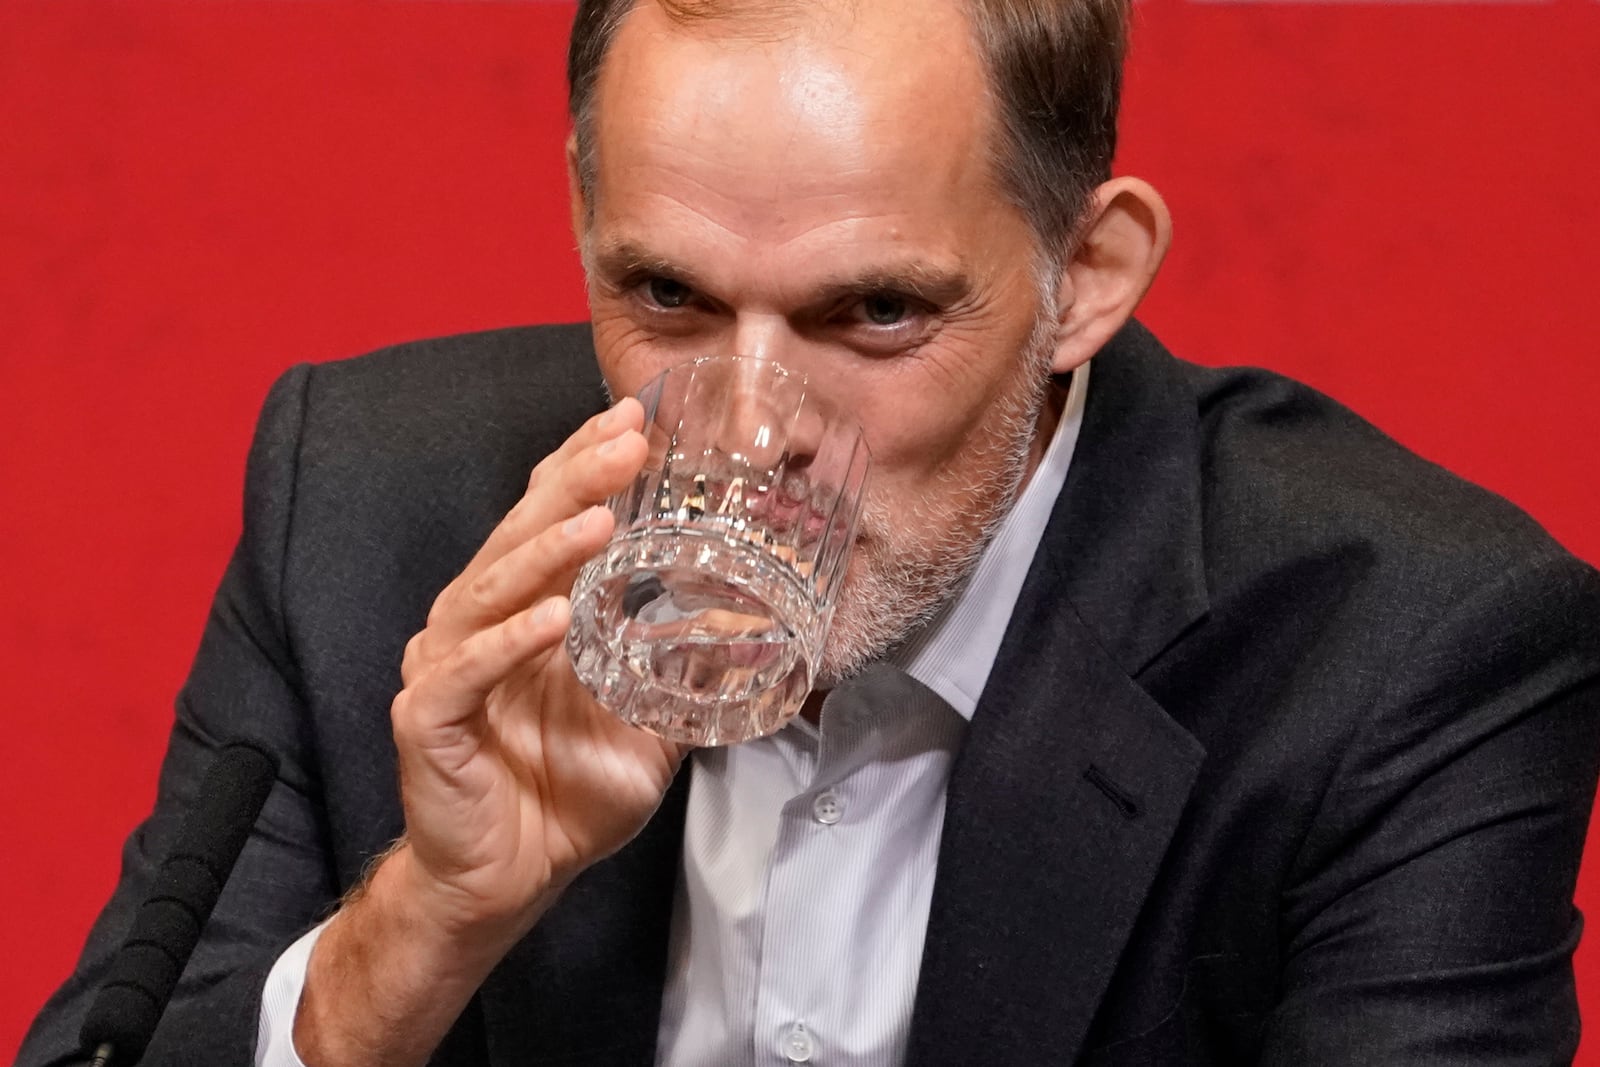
[564,485]
[623,417]
[535,569]
[531,571]
[625,414]
[445,707]
[597,461]
[559,490]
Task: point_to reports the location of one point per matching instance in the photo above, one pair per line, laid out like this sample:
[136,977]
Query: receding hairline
[1046,170]
[759,22]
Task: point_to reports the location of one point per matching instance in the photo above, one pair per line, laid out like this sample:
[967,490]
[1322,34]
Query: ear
[1118,253]
[576,202]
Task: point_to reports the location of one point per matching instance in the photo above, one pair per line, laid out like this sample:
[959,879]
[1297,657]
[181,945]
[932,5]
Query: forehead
[875,111]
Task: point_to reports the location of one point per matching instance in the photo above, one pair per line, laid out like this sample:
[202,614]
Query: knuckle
[504,642]
[487,589]
[523,518]
[569,481]
[439,610]
[415,656]
[518,515]
[552,464]
[465,658]
[400,712]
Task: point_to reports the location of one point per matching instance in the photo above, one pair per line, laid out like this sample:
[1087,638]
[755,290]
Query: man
[1170,716]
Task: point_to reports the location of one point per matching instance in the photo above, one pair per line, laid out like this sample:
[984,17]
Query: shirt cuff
[280,1000]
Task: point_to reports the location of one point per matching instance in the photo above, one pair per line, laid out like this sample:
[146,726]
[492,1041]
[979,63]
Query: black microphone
[167,926]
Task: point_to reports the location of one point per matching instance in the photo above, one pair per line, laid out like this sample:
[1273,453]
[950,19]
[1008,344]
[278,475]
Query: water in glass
[694,632]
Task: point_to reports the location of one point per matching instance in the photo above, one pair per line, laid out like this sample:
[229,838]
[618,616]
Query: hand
[513,778]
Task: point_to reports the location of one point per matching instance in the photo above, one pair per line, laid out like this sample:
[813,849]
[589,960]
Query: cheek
[937,399]
[631,355]
[627,356]
[915,432]
[934,465]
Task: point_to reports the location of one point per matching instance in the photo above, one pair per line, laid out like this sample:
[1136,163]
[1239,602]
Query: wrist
[393,971]
[452,919]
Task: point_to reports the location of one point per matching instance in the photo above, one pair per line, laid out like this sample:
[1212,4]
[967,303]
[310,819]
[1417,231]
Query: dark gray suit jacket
[1287,756]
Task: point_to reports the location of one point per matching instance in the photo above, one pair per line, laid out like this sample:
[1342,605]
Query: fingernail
[574,526]
[607,420]
[542,613]
[607,448]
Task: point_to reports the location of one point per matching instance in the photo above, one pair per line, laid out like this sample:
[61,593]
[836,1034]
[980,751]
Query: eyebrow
[623,259]
[930,283]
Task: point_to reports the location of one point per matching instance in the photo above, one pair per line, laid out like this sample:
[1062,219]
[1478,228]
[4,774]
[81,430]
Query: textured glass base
[697,637]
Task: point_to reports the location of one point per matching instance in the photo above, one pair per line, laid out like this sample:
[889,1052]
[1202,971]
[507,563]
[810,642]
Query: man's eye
[668,293]
[884,309]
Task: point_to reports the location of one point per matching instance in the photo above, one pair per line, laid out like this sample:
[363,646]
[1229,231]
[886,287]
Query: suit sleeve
[243,684]
[1431,919]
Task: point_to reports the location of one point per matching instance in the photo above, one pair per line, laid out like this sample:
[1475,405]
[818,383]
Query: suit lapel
[585,986]
[1072,779]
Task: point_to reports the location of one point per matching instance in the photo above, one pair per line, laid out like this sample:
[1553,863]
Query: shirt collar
[954,653]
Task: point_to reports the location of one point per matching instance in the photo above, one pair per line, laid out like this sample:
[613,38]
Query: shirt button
[797,1044]
[827,809]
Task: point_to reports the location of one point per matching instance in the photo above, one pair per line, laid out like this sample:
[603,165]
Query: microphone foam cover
[185,890]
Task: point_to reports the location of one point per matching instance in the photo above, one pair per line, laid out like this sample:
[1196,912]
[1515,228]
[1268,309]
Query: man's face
[823,196]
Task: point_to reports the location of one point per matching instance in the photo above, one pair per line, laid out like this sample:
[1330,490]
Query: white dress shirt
[809,855]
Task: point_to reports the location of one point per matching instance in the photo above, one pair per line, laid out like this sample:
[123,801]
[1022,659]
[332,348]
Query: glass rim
[835,411]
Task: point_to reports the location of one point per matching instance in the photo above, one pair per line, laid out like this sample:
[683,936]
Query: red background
[1394,202]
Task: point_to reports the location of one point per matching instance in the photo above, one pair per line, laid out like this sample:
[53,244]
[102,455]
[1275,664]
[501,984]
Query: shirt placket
[804,940]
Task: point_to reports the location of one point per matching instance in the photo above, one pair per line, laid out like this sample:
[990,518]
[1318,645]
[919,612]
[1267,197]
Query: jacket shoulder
[1289,473]
[467,415]
[389,470]
[466,390]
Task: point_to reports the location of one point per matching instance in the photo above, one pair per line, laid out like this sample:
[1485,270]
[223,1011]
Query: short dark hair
[1055,73]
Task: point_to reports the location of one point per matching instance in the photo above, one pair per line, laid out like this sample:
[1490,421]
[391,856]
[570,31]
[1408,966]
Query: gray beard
[903,585]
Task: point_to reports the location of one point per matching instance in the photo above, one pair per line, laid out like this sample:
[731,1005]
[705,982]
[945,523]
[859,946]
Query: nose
[766,415]
[762,336]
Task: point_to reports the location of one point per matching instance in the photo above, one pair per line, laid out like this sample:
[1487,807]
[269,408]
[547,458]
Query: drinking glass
[703,618]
